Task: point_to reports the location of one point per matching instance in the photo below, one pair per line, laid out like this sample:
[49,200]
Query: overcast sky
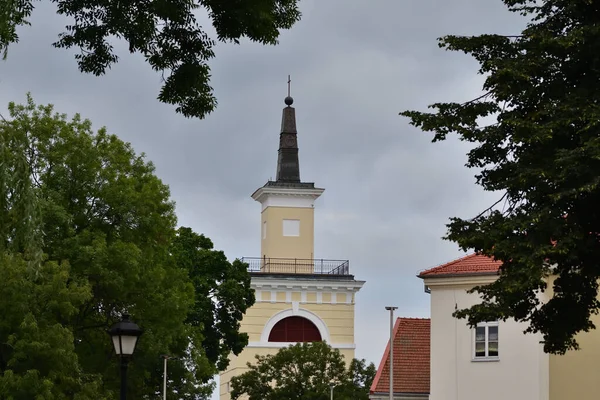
[354,65]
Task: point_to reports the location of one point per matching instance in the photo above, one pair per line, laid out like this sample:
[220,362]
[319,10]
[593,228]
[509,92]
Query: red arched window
[295,329]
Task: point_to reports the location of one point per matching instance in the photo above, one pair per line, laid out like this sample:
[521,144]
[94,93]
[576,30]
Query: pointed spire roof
[288,165]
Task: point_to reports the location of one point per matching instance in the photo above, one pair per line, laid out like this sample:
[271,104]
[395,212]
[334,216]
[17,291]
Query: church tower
[298,298]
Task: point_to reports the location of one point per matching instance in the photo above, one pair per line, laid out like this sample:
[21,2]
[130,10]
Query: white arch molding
[296,311]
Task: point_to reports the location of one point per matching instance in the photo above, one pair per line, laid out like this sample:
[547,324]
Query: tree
[165,32]
[87,232]
[37,353]
[304,371]
[541,155]
[359,384]
[223,294]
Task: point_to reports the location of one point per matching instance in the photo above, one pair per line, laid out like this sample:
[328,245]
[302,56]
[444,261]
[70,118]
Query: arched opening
[294,329]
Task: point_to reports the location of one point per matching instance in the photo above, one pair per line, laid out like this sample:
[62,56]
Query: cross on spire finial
[288,100]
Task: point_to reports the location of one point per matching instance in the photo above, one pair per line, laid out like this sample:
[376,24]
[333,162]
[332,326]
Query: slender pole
[331,386]
[392,354]
[124,363]
[165,381]
[391,310]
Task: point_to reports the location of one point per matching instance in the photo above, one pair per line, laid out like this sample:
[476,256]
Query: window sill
[486,359]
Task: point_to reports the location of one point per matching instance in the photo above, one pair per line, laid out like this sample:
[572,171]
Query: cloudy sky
[354,65]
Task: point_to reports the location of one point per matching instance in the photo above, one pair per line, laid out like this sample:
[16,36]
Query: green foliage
[12,14]
[87,232]
[304,371]
[165,32]
[223,294]
[543,154]
[357,386]
[37,354]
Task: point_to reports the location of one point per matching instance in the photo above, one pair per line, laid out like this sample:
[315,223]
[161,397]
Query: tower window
[291,227]
[295,329]
[264,230]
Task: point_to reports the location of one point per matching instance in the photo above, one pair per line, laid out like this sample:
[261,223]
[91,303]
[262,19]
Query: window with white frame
[486,341]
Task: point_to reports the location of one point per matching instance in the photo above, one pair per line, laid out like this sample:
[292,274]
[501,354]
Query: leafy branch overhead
[541,153]
[165,32]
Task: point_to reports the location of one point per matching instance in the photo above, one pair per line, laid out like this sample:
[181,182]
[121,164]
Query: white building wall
[386,396]
[521,373]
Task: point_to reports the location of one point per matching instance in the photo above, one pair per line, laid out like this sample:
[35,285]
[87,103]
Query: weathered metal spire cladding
[288,166]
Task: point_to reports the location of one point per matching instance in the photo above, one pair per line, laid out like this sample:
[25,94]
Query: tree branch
[477,99]
[490,207]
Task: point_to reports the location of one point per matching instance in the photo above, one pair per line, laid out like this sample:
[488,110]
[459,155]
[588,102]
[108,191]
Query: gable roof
[472,264]
[411,359]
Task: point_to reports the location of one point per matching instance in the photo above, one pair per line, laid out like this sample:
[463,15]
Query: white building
[495,361]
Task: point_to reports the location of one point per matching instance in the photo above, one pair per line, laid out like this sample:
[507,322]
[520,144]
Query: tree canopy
[165,32]
[304,371]
[541,154]
[87,233]
[223,294]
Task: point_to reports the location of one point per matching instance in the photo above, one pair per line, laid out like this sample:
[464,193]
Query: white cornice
[263,193]
[459,280]
[302,284]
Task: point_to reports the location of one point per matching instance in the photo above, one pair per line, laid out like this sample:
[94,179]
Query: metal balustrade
[297,266]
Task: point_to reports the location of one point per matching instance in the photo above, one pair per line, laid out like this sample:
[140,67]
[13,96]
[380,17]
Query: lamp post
[166,357]
[331,386]
[124,334]
[391,310]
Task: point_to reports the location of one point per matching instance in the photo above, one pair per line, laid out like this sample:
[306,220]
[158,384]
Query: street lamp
[166,357]
[391,310]
[124,334]
[331,386]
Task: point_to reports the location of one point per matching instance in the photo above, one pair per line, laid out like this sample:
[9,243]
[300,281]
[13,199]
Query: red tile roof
[473,264]
[411,359]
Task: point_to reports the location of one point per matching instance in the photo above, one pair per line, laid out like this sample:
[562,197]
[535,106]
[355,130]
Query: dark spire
[288,166]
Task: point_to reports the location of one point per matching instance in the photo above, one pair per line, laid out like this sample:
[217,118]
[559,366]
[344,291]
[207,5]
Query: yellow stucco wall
[275,245]
[264,296]
[575,375]
[339,319]
[280,296]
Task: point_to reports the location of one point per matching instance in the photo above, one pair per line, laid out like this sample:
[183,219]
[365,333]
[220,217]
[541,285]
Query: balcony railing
[270,265]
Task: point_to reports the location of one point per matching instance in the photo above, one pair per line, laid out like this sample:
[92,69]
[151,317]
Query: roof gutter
[457,275]
[402,394]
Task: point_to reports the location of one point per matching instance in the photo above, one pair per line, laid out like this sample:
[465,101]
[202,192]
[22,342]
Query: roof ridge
[474,263]
[414,318]
[447,264]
